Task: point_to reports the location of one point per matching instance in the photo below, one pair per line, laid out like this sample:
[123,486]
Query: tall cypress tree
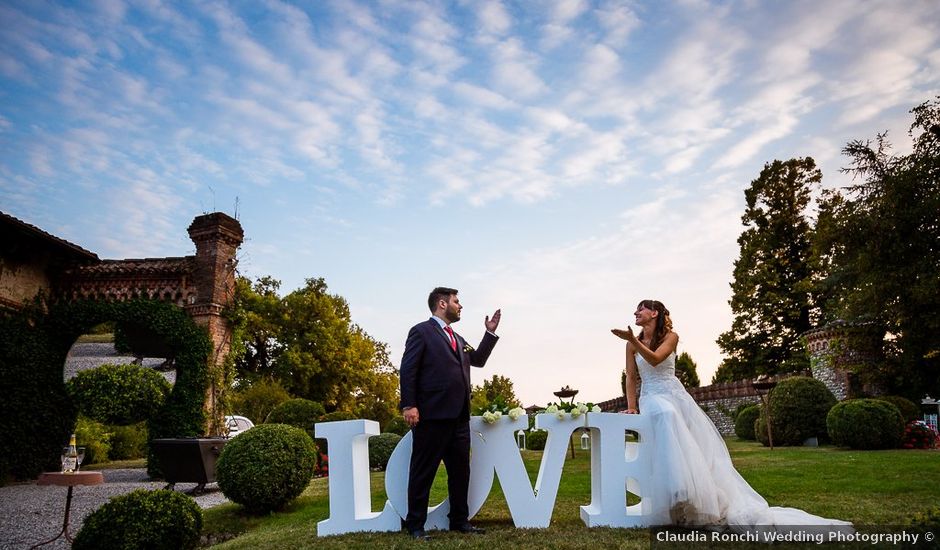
[771,291]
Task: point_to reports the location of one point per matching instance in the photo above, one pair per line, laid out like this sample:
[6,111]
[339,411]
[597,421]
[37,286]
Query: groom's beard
[452,314]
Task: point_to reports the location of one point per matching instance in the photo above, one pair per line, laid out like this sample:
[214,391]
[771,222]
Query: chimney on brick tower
[217,237]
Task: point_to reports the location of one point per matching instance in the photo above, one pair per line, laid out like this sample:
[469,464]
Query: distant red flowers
[918,435]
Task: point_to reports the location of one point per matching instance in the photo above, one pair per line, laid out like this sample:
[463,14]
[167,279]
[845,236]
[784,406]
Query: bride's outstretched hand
[624,334]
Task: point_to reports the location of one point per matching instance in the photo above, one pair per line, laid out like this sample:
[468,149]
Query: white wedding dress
[694,481]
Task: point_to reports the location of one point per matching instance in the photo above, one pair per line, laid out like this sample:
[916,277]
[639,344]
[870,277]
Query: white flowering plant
[561,408]
[497,409]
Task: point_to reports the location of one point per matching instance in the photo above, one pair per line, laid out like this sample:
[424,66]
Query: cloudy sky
[558,159]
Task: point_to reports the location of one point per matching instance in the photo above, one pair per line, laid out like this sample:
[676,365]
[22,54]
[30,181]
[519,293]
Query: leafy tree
[878,243]
[307,342]
[686,371]
[773,276]
[498,387]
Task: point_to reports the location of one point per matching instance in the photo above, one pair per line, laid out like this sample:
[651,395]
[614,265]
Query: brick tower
[217,237]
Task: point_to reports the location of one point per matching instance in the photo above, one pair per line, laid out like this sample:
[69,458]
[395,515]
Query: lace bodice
[659,379]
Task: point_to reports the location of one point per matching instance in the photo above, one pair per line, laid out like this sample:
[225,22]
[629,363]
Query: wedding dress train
[695,482]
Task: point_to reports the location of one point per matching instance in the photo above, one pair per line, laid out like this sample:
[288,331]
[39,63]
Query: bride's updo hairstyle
[663,322]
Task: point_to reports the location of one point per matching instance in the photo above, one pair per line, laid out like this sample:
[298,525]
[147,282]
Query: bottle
[70,462]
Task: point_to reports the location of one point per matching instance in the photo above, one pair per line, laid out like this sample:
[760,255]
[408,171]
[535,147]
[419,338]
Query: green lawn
[867,488]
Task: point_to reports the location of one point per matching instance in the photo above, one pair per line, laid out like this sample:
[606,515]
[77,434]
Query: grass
[865,487]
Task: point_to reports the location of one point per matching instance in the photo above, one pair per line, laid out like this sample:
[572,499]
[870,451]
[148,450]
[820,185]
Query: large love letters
[617,466]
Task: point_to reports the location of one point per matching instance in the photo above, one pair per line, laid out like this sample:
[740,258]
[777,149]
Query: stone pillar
[217,237]
[837,350]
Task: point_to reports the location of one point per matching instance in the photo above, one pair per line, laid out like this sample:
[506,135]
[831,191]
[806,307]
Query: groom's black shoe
[420,534]
[468,529]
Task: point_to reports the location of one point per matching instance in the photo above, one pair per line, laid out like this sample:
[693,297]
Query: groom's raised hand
[492,323]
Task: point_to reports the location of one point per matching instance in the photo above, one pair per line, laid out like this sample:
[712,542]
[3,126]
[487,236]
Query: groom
[435,401]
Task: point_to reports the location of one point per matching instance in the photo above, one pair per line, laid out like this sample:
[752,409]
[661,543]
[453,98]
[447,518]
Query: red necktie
[453,341]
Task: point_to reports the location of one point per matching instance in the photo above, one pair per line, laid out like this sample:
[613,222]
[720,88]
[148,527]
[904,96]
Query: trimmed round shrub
[142,519]
[865,424]
[258,400]
[909,411]
[744,422]
[266,467]
[535,440]
[397,425]
[798,406]
[119,394]
[300,413]
[380,449]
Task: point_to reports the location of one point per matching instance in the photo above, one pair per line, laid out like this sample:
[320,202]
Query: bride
[695,482]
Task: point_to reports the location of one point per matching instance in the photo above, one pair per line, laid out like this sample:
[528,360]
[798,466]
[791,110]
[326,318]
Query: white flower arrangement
[576,410]
[496,411]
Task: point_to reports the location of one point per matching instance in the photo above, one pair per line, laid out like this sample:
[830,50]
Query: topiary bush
[266,467]
[909,411]
[396,425]
[258,400]
[744,422]
[142,519]
[865,424]
[380,449]
[798,406]
[300,413]
[119,394]
[535,440]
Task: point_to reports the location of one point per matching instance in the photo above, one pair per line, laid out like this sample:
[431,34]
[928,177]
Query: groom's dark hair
[440,293]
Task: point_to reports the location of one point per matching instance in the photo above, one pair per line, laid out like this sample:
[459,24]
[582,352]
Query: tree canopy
[772,281]
[498,389]
[308,343]
[878,244]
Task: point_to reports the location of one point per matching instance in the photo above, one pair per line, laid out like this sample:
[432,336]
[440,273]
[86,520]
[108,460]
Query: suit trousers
[434,441]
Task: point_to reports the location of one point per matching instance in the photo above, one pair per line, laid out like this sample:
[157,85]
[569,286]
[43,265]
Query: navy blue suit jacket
[435,378]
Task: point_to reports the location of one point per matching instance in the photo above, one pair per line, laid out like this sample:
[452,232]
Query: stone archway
[202,285]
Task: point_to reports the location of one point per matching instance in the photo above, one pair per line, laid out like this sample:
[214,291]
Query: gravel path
[31,513]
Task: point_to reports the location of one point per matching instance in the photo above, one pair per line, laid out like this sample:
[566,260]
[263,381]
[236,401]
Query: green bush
[535,440]
[799,406]
[396,425]
[266,467]
[865,424]
[119,394]
[256,401]
[96,439]
[128,442]
[299,413]
[380,449]
[909,411]
[142,519]
[744,422]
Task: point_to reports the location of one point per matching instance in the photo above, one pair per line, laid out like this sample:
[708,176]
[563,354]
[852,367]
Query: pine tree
[773,276]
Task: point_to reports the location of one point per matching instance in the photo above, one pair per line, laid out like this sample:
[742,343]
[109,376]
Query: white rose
[575,412]
[560,415]
[551,409]
[583,408]
[596,409]
[516,413]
